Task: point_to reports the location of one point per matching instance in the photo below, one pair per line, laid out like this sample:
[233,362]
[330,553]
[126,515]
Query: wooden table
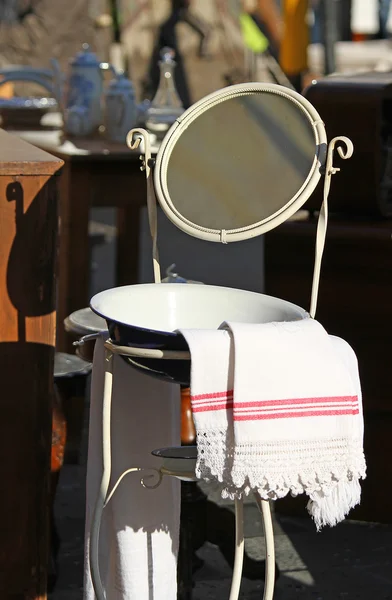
[95,174]
[355,300]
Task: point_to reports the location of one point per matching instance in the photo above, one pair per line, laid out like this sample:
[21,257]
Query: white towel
[140,527]
[212,374]
[279,414]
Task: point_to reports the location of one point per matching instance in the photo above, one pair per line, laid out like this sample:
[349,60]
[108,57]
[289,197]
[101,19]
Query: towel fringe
[330,509]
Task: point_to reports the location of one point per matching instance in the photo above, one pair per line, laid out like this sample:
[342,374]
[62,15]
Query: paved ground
[350,561]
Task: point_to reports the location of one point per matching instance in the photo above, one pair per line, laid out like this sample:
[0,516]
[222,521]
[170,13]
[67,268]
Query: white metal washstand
[232,142]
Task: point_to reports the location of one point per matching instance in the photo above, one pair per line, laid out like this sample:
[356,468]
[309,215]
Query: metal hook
[343,153]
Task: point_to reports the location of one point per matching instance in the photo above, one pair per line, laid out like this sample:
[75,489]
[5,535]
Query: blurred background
[295,43]
[216,41]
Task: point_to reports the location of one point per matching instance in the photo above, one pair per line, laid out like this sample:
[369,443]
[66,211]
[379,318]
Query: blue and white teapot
[83,107]
[79,100]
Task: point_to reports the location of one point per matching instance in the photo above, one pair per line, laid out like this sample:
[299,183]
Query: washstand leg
[239,550]
[186,549]
[103,490]
[189,495]
[269,582]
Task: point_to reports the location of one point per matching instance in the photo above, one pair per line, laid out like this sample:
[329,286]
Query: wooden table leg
[128,238]
[74,250]
[133,189]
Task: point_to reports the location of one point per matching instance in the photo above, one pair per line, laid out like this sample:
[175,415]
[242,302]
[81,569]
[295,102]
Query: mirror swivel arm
[134,138]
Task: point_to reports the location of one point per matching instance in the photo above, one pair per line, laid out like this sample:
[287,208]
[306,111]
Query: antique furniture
[360,106]
[230,193]
[28,228]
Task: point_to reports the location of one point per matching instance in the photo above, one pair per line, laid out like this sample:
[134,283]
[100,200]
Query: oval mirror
[240,162]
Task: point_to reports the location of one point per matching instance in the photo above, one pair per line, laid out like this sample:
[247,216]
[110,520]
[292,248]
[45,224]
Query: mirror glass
[241,161]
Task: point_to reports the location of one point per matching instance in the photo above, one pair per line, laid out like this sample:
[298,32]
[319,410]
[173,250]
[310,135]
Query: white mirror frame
[323,161]
[292,205]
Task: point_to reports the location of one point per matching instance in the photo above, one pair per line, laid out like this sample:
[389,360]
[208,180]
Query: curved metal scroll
[323,216]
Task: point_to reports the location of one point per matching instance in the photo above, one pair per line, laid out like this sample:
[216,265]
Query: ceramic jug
[85,87]
[121,110]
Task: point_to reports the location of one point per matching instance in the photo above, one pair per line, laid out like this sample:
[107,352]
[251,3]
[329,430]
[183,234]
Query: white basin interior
[172,306]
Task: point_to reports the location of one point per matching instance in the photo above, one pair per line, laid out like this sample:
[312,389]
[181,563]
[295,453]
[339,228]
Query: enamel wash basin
[149,315]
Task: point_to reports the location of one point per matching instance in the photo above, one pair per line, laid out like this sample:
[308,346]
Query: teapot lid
[85,58]
[121,83]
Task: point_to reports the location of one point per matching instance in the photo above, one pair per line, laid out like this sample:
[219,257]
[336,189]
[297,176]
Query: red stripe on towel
[209,407]
[212,395]
[294,415]
[224,400]
[212,402]
[294,401]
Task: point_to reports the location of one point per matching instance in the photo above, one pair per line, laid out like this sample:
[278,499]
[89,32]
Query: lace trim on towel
[215,455]
[275,469]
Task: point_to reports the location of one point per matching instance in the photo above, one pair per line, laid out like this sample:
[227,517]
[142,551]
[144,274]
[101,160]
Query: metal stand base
[104,497]
[205,521]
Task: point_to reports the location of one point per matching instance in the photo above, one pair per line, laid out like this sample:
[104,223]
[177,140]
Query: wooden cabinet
[355,302]
[28,232]
[359,106]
